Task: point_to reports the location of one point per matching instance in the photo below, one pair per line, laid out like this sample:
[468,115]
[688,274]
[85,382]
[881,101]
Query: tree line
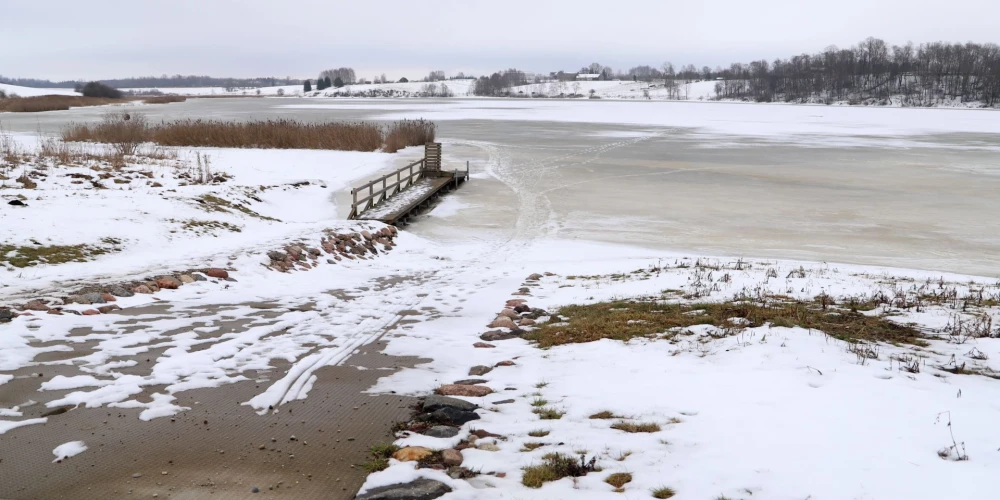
[872,71]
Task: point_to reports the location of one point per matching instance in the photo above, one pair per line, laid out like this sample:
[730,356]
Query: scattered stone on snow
[411,453]
[421,489]
[474,391]
[441,431]
[436,402]
[483,345]
[480,370]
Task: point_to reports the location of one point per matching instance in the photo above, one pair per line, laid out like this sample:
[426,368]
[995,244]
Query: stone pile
[351,246]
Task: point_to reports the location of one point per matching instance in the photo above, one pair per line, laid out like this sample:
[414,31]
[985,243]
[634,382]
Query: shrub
[307,86]
[403,80]
[618,479]
[97,89]
[554,467]
[663,492]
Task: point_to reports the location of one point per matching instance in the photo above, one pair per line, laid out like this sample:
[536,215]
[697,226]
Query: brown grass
[554,467]
[164,99]
[618,479]
[269,134]
[52,103]
[407,133]
[634,427]
[663,493]
[627,319]
[603,415]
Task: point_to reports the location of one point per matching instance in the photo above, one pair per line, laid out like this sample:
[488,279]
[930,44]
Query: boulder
[142,289]
[185,279]
[470,381]
[453,416]
[153,287]
[441,431]
[168,283]
[534,277]
[108,308]
[435,402]
[522,308]
[36,305]
[479,370]
[199,277]
[108,297]
[120,291]
[217,273]
[451,458]
[515,302]
[411,453]
[421,489]
[94,298]
[483,345]
[91,312]
[503,322]
[505,363]
[495,335]
[469,391]
[508,313]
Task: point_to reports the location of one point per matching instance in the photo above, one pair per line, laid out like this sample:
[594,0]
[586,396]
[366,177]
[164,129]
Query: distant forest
[159,81]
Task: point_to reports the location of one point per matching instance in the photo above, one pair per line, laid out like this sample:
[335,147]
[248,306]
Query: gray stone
[503,402]
[451,458]
[470,381]
[120,291]
[449,415]
[480,370]
[94,298]
[494,335]
[421,489]
[441,431]
[276,255]
[435,402]
[6,315]
[199,277]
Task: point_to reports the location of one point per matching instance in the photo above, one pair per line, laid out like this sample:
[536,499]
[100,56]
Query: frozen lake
[913,188]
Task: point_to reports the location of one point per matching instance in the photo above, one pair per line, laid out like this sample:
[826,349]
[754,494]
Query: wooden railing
[404,178]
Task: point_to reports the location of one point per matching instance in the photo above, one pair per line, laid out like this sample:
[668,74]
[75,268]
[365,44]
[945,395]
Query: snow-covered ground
[765,412]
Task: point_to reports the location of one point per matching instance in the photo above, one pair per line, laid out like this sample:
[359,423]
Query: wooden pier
[396,197]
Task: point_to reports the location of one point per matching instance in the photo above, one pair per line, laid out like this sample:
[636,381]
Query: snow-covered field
[11,90]
[764,412]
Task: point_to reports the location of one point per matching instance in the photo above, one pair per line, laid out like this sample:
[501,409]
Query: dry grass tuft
[548,413]
[663,492]
[634,427]
[531,446]
[604,415]
[539,433]
[627,319]
[554,467]
[618,479]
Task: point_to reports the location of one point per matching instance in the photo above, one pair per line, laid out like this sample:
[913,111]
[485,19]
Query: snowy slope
[31,91]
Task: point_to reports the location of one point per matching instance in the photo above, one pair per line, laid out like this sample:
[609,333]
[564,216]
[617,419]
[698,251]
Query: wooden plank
[439,183]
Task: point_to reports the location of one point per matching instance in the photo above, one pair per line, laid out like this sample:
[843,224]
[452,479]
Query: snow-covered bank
[12,90]
[771,411]
[194,208]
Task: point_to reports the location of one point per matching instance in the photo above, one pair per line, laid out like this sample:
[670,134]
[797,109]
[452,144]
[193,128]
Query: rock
[435,402]
[451,458]
[482,434]
[522,308]
[460,473]
[108,308]
[153,287]
[483,345]
[472,391]
[55,311]
[526,322]
[199,277]
[6,315]
[495,335]
[479,370]
[366,235]
[421,489]
[141,289]
[515,302]
[184,278]
[534,277]
[508,313]
[36,305]
[120,291]
[277,256]
[94,298]
[108,297]
[487,447]
[217,273]
[441,431]
[454,416]
[503,402]
[168,283]
[470,381]
[503,322]
[505,363]
[91,312]
[411,453]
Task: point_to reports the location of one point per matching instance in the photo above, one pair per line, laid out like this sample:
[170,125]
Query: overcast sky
[89,39]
